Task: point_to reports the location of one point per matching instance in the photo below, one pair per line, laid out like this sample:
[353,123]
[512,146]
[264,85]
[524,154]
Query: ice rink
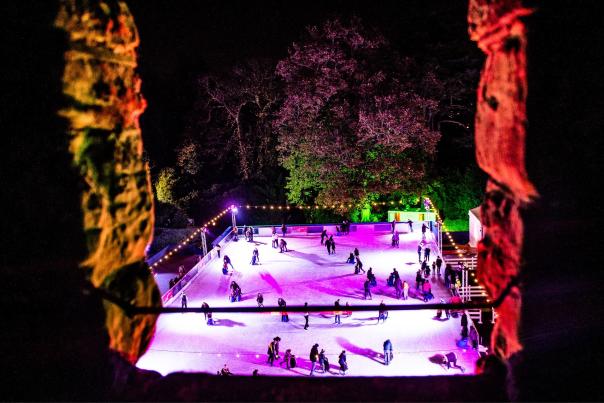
[183,342]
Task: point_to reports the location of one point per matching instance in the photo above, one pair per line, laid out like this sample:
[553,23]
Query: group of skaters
[329,242]
[320,358]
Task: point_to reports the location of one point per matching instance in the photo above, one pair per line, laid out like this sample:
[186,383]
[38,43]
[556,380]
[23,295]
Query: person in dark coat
[227,261]
[387,352]
[474,337]
[283,229]
[450,360]
[419,280]
[439,263]
[419,252]
[343,363]
[323,236]
[337,311]
[356,252]
[306,315]
[371,277]
[382,313]
[427,254]
[282,245]
[358,267]
[314,357]
[322,359]
[260,300]
[277,340]
[328,246]
[350,258]
[271,352]
[183,300]
[367,289]
[464,326]
[284,317]
[410,225]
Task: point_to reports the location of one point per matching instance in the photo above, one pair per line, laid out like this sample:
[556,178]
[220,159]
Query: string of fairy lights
[184,242]
[448,234]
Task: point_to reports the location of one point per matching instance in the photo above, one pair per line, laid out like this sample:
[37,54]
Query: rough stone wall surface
[102,105]
[500,151]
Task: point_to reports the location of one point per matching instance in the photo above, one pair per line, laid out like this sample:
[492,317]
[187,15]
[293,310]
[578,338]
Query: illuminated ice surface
[183,342]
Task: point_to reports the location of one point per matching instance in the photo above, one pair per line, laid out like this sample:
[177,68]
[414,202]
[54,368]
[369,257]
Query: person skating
[314,357]
[218,247]
[287,358]
[393,226]
[328,246]
[333,245]
[283,229]
[474,337]
[225,371]
[227,260]
[284,317]
[260,300]
[405,290]
[419,279]
[450,360]
[343,363]
[367,289]
[270,352]
[337,311]
[424,228]
[387,352]
[275,243]
[410,225]
[427,254]
[419,252]
[255,257]
[464,325]
[356,252]
[398,288]
[282,246]
[350,258]
[183,300]
[382,313]
[323,361]
[371,277]
[306,315]
[277,340]
[323,236]
[358,267]
[439,263]
[427,290]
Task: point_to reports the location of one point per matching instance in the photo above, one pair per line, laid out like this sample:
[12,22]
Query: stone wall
[102,106]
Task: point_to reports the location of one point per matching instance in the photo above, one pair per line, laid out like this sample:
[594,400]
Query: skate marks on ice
[270,280]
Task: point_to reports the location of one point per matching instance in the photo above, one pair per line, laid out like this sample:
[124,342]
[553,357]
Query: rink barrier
[267,230]
[173,293]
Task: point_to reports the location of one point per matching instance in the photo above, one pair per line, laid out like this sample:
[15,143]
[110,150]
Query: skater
[350,258]
[183,300]
[234,234]
[427,290]
[464,325]
[419,252]
[410,225]
[419,280]
[251,234]
[225,371]
[323,236]
[270,352]
[333,245]
[323,362]
[343,363]
[255,257]
[398,288]
[337,311]
[450,360]
[328,246]
[371,277]
[433,269]
[439,263]
[287,358]
[275,242]
[395,239]
[405,290]
[314,357]
[348,312]
[283,229]
[274,232]
[284,317]
[424,228]
[367,289]
[282,246]
[382,313]
[448,273]
[387,352]
[356,252]
[206,309]
[474,337]
[306,315]
[427,254]
[218,250]
[276,346]
[235,292]
[255,372]
[358,267]
[227,261]
[260,300]
[393,226]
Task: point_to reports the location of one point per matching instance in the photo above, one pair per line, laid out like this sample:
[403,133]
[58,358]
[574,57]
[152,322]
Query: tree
[164,186]
[351,123]
[243,102]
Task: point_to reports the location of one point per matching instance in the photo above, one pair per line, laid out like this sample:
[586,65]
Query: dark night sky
[180,39]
